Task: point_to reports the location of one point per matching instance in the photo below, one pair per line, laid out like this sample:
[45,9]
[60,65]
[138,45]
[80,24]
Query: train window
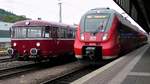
[59,32]
[96,22]
[127,32]
[47,31]
[62,32]
[19,32]
[34,32]
[54,32]
[27,32]
[47,28]
[65,33]
[70,33]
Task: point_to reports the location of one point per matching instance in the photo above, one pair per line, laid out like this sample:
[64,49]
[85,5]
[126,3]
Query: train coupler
[93,53]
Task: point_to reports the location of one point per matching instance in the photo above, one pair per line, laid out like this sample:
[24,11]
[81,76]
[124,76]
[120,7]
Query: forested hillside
[10,17]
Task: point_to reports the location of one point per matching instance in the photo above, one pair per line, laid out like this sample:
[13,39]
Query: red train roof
[37,23]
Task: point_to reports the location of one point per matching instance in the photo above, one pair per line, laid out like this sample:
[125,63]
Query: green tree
[10,17]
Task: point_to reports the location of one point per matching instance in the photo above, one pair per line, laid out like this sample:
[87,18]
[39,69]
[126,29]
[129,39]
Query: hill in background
[10,17]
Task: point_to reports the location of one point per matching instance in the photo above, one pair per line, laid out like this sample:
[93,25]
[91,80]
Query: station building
[4,35]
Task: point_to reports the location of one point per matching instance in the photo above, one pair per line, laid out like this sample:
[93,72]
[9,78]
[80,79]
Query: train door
[54,36]
[64,43]
[51,43]
[54,33]
[61,43]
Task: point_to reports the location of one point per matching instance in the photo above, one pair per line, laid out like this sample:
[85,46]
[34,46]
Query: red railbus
[38,40]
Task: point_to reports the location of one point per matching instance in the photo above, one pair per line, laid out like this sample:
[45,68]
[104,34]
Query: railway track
[37,73]
[23,69]
[6,60]
[74,75]
[70,77]
[5,73]
[46,73]
[18,70]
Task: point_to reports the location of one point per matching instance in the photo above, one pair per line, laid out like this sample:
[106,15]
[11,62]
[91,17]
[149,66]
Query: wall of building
[4,35]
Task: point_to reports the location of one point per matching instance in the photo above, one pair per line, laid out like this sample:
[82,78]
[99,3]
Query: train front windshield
[96,22]
[27,32]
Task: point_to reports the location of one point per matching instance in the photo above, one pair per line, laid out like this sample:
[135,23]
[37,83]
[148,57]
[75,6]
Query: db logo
[93,38]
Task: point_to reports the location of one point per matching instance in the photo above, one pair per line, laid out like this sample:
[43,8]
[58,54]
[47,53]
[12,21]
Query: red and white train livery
[103,34]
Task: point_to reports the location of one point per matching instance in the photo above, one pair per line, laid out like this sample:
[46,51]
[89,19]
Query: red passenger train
[38,40]
[103,34]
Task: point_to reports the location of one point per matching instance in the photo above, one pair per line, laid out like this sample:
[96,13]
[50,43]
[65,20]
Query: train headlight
[10,51]
[33,51]
[14,44]
[105,36]
[82,36]
[38,44]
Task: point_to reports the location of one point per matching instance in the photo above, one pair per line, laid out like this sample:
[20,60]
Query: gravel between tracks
[39,76]
[13,64]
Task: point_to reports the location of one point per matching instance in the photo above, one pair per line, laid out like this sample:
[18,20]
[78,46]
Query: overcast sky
[72,10]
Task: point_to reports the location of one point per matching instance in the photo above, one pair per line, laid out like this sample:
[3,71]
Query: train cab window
[96,22]
[19,32]
[34,32]
[27,32]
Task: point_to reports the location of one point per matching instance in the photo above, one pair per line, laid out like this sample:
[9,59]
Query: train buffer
[133,68]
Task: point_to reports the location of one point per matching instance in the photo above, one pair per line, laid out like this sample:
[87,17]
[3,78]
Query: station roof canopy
[139,10]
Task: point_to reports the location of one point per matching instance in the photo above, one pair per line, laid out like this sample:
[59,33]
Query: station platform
[133,68]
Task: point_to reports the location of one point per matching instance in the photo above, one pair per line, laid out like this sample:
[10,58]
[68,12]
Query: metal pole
[60,12]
